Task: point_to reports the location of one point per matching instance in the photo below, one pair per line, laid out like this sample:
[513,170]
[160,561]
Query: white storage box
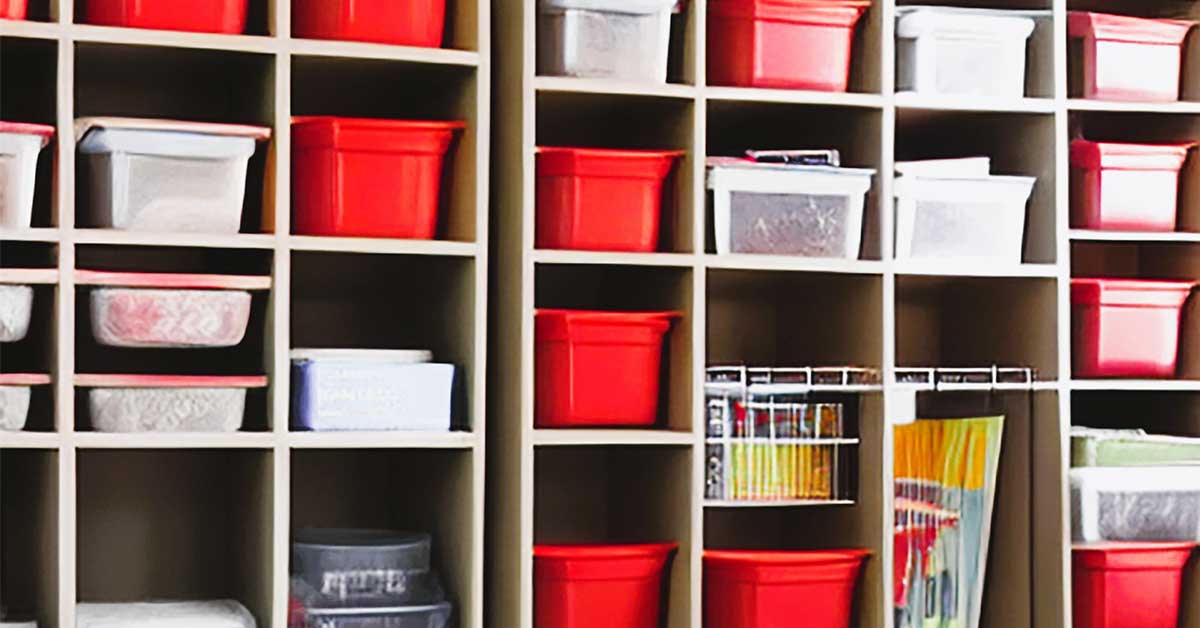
[215,614]
[965,52]
[159,175]
[15,392]
[1135,504]
[811,211]
[363,389]
[167,403]
[617,39]
[20,145]
[16,299]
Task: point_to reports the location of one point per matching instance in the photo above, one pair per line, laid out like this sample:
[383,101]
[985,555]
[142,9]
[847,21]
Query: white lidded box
[370,389]
[167,403]
[20,145]
[205,614]
[169,310]
[16,389]
[965,52]
[16,299]
[777,209]
[164,175]
[1135,503]
[616,39]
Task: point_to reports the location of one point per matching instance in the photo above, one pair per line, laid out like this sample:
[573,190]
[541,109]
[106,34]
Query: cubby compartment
[37,351]
[28,74]
[258,13]
[620,495]
[29,521]
[205,514]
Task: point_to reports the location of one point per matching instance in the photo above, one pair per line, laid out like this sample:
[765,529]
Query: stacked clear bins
[17,294]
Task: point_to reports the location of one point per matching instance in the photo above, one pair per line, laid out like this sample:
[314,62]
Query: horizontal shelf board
[949,387]
[31,235]
[908,100]
[29,440]
[382,440]
[564,437]
[794,263]
[546,256]
[217,440]
[778,503]
[177,39]
[621,88]
[781,440]
[363,50]
[199,240]
[1136,384]
[1082,104]
[960,269]
[30,29]
[1133,236]
[29,275]
[448,248]
[799,97]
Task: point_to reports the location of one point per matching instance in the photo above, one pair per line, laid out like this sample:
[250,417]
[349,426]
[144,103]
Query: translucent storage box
[15,392]
[16,299]
[616,39]
[1127,58]
[427,616]
[354,567]
[169,310]
[20,145]
[967,52]
[167,403]
[1135,504]
[778,209]
[167,176]
[366,389]
[1132,187]
[214,614]
[1131,448]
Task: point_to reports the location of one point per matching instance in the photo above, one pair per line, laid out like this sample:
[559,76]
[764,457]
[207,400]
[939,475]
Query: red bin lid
[1130,292]
[1120,156]
[601,562]
[1133,556]
[1138,30]
[775,557]
[785,566]
[409,136]
[603,552]
[560,161]
[843,13]
[24,128]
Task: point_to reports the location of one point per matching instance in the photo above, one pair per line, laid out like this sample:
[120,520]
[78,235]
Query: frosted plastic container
[1135,504]
[810,211]
[428,616]
[1131,448]
[962,52]
[170,310]
[15,392]
[20,145]
[166,176]
[356,567]
[18,624]
[363,389]
[167,403]
[209,614]
[616,39]
[16,309]
[976,220]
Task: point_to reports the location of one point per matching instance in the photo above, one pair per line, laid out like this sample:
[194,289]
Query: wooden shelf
[568,437]
[1086,235]
[680,260]
[797,97]
[382,440]
[1181,107]
[382,245]
[619,88]
[139,238]
[946,103]
[360,50]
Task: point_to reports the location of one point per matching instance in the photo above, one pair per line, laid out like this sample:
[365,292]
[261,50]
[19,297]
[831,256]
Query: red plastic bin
[13,9]
[598,368]
[784,44]
[600,199]
[1126,327]
[202,16]
[368,178]
[599,586]
[751,589]
[1125,186]
[400,22]
[1128,585]
[1128,58]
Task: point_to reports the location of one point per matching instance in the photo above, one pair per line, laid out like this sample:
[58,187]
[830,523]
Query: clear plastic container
[20,145]
[15,392]
[810,211]
[167,403]
[616,39]
[955,51]
[428,616]
[208,614]
[364,567]
[1135,504]
[166,176]
[16,310]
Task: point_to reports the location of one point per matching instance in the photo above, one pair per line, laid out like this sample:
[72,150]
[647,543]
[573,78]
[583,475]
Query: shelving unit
[546,486]
[90,516]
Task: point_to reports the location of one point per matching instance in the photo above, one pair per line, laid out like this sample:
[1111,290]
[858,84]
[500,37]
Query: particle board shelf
[1087,235]
[795,264]
[444,248]
[610,87]
[679,260]
[1159,385]
[200,240]
[573,437]
[796,97]
[232,440]
[361,50]
[382,440]
[30,235]
[1180,107]
[947,103]
[780,503]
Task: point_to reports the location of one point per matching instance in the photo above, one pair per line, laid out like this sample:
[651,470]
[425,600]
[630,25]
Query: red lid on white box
[1133,556]
[28,275]
[24,128]
[171,280]
[106,380]
[83,125]
[1130,292]
[24,379]
[564,161]
[1139,30]
[844,13]
[1111,155]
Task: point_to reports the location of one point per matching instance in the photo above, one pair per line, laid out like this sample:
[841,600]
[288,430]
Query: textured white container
[16,308]
[20,145]
[617,39]
[964,52]
[810,211]
[150,403]
[1135,504]
[971,220]
[153,175]
[214,614]
[15,392]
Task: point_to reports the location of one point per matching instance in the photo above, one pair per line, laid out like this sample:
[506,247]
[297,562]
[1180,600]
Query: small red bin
[202,16]
[599,199]
[598,368]
[1128,58]
[1130,187]
[784,44]
[1128,585]
[400,22]
[1126,327]
[368,178]
[750,589]
[599,586]
[13,9]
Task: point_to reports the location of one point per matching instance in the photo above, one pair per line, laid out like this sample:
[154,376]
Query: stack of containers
[1135,502]
[1126,58]
[962,52]
[1126,187]
[355,578]
[16,313]
[1126,327]
[612,39]
[20,145]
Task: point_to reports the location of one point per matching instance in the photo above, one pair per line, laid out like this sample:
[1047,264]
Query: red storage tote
[599,199]
[368,178]
[1130,187]
[598,368]
[754,589]
[1128,58]
[786,44]
[1126,327]
[13,9]
[401,22]
[599,586]
[202,16]
[1128,585]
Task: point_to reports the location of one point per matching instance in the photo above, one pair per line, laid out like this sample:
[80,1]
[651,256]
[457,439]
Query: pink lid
[171,280]
[28,275]
[1130,292]
[1127,28]
[83,125]
[24,379]
[106,380]
[24,128]
[1117,156]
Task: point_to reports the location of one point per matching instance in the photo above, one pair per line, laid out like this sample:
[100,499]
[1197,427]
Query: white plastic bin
[16,389]
[810,211]
[16,299]
[20,145]
[1135,504]
[365,389]
[166,176]
[167,403]
[617,39]
[214,614]
[964,52]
